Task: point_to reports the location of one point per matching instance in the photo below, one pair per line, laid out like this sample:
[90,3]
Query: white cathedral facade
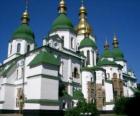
[46,78]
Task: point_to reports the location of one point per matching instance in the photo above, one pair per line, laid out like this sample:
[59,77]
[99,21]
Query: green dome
[117,54]
[104,62]
[87,42]
[107,54]
[62,21]
[24,32]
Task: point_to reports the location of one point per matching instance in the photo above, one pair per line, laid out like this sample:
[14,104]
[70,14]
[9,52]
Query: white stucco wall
[86,77]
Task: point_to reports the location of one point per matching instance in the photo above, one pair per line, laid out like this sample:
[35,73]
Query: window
[75,73]
[55,44]
[88,57]
[93,57]
[28,48]
[17,74]
[103,82]
[114,75]
[18,47]
[72,43]
[62,37]
[22,72]
[108,76]
[10,49]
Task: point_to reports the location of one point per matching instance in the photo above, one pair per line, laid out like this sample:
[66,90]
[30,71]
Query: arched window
[114,75]
[28,48]
[88,57]
[75,73]
[18,47]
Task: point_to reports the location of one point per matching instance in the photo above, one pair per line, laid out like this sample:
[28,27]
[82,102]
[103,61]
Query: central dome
[62,22]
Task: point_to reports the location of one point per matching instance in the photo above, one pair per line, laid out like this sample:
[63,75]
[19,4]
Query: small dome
[24,32]
[107,54]
[87,42]
[62,21]
[117,54]
[105,62]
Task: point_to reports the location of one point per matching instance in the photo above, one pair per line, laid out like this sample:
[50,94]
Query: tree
[82,107]
[128,106]
[120,105]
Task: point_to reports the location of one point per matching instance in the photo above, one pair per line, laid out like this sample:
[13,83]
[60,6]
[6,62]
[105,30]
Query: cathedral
[47,78]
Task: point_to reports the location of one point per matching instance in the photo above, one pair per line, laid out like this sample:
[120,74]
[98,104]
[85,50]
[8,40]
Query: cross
[82,1]
[26,4]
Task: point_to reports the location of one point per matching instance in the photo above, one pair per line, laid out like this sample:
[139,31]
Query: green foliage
[128,106]
[132,106]
[120,105]
[78,95]
[82,107]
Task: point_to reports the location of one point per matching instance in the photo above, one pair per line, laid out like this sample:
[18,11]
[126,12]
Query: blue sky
[105,16]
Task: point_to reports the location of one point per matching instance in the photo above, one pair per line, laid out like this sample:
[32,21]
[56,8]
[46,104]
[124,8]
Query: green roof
[62,21]
[105,62]
[87,42]
[107,54]
[95,68]
[24,32]
[3,72]
[117,54]
[44,57]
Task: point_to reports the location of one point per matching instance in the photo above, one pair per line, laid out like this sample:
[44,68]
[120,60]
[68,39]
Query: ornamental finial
[106,46]
[62,7]
[115,41]
[25,16]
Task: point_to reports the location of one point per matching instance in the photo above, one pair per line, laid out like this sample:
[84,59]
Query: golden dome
[83,26]
[25,17]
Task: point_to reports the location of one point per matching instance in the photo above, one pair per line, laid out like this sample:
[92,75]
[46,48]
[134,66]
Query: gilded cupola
[83,25]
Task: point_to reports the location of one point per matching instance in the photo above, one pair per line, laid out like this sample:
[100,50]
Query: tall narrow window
[28,48]
[88,57]
[22,71]
[18,47]
[72,43]
[93,58]
[11,49]
[17,74]
[108,76]
[75,73]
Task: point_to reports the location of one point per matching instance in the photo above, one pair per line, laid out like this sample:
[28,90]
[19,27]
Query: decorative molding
[45,76]
[43,102]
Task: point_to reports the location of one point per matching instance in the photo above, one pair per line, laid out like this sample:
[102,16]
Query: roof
[129,77]
[4,71]
[24,32]
[117,54]
[44,57]
[95,68]
[107,54]
[62,21]
[87,42]
[106,62]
